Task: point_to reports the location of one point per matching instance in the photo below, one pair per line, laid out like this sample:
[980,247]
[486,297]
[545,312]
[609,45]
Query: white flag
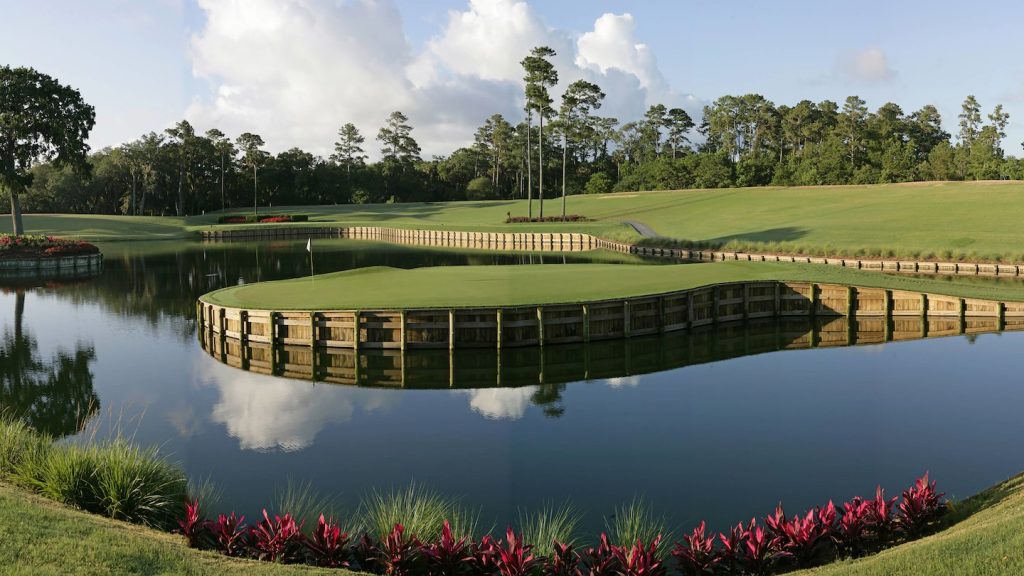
[309,245]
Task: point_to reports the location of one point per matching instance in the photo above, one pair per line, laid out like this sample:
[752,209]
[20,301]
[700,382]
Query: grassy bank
[984,538]
[467,286]
[942,220]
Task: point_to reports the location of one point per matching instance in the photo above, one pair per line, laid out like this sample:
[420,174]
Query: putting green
[487,286]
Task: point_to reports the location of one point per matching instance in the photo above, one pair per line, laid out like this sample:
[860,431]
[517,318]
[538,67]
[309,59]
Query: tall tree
[41,120]
[678,123]
[852,129]
[183,143]
[579,99]
[249,144]
[397,143]
[540,74]
[998,120]
[224,149]
[348,150]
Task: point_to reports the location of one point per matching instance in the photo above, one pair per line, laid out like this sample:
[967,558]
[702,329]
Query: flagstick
[312,276]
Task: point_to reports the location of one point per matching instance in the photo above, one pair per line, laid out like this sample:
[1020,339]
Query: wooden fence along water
[519,326]
[553,365]
[58,266]
[538,241]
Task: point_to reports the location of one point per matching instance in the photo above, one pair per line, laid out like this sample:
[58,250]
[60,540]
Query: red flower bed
[780,544]
[29,246]
[526,220]
[268,219]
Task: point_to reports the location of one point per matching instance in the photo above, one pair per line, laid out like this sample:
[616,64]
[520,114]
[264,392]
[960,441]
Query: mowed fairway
[470,286]
[936,220]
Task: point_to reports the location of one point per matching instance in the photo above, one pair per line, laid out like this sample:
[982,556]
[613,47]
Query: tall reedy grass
[420,510]
[550,524]
[635,521]
[306,504]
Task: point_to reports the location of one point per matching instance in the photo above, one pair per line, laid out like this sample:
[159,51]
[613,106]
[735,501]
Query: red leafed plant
[879,518]
[328,545]
[697,557]
[921,504]
[192,525]
[448,556]
[485,555]
[564,561]
[760,550]
[804,539]
[230,534]
[514,557]
[640,560]
[853,524]
[601,561]
[397,555]
[733,544]
[275,219]
[278,540]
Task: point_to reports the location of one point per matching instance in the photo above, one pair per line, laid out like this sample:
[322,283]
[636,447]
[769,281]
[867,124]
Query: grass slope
[468,286]
[940,219]
[985,537]
[41,537]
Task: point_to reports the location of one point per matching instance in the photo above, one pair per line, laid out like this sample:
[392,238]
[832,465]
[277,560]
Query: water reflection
[55,395]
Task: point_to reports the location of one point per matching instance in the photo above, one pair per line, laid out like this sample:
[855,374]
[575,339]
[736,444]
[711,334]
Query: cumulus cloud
[271,413]
[868,65]
[295,70]
[501,403]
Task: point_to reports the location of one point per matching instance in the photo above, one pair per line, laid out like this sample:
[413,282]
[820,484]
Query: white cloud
[501,403]
[868,65]
[624,382]
[293,71]
[272,413]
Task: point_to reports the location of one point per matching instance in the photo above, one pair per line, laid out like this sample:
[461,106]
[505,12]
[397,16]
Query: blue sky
[294,71]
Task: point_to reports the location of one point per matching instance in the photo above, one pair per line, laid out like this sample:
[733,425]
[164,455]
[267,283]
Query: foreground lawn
[41,537]
[985,538]
[468,286]
[942,220]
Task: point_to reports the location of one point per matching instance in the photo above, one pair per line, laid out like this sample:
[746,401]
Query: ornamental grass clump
[421,512]
[549,525]
[637,521]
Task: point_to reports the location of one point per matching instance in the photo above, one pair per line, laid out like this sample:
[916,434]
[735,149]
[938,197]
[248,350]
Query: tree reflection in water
[55,397]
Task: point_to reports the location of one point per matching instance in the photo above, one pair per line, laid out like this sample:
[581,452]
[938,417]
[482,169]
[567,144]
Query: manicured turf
[468,286]
[41,537]
[944,220]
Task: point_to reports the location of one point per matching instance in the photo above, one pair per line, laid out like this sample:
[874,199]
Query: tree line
[741,140]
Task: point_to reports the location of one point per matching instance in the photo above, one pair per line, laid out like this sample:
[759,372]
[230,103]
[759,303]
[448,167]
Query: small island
[40,254]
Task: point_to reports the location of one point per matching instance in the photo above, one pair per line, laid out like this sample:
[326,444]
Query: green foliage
[480,189]
[550,524]
[599,183]
[637,521]
[305,504]
[116,479]
[421,510]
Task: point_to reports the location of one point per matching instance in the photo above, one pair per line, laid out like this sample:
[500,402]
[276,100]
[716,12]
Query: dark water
[719,424]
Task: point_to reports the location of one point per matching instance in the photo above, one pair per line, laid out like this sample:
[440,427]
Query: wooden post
[626,320]
[355,333]
[1001,310]
[586,323]
[962,309]
[498,329]
[661,315]
[402,336]
[451,329]
[540,326]
[689,310]
[814,300]
[851,302]
[312,330]
[746,301]
[243,326]
[714,304]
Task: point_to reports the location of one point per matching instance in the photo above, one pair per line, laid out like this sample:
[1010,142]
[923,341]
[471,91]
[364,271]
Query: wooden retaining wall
[532,365]
[537,241]
[510,327]
[62,266]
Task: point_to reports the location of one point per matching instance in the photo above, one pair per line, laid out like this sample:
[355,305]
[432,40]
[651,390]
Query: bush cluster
[778,544]
[526,219]
[28,246]
[269,219]
[115,479]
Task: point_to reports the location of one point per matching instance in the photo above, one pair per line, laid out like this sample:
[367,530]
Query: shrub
[635,522]
[599,183]
[640,559]
[920,506]
[525,219]
[515,558]
[550,525]
[328,545]
[480,189]
[697,557]
[27,246]
[420,511]
[277,540]
[267,219]
[397,555]
[230,534]
[449,556]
